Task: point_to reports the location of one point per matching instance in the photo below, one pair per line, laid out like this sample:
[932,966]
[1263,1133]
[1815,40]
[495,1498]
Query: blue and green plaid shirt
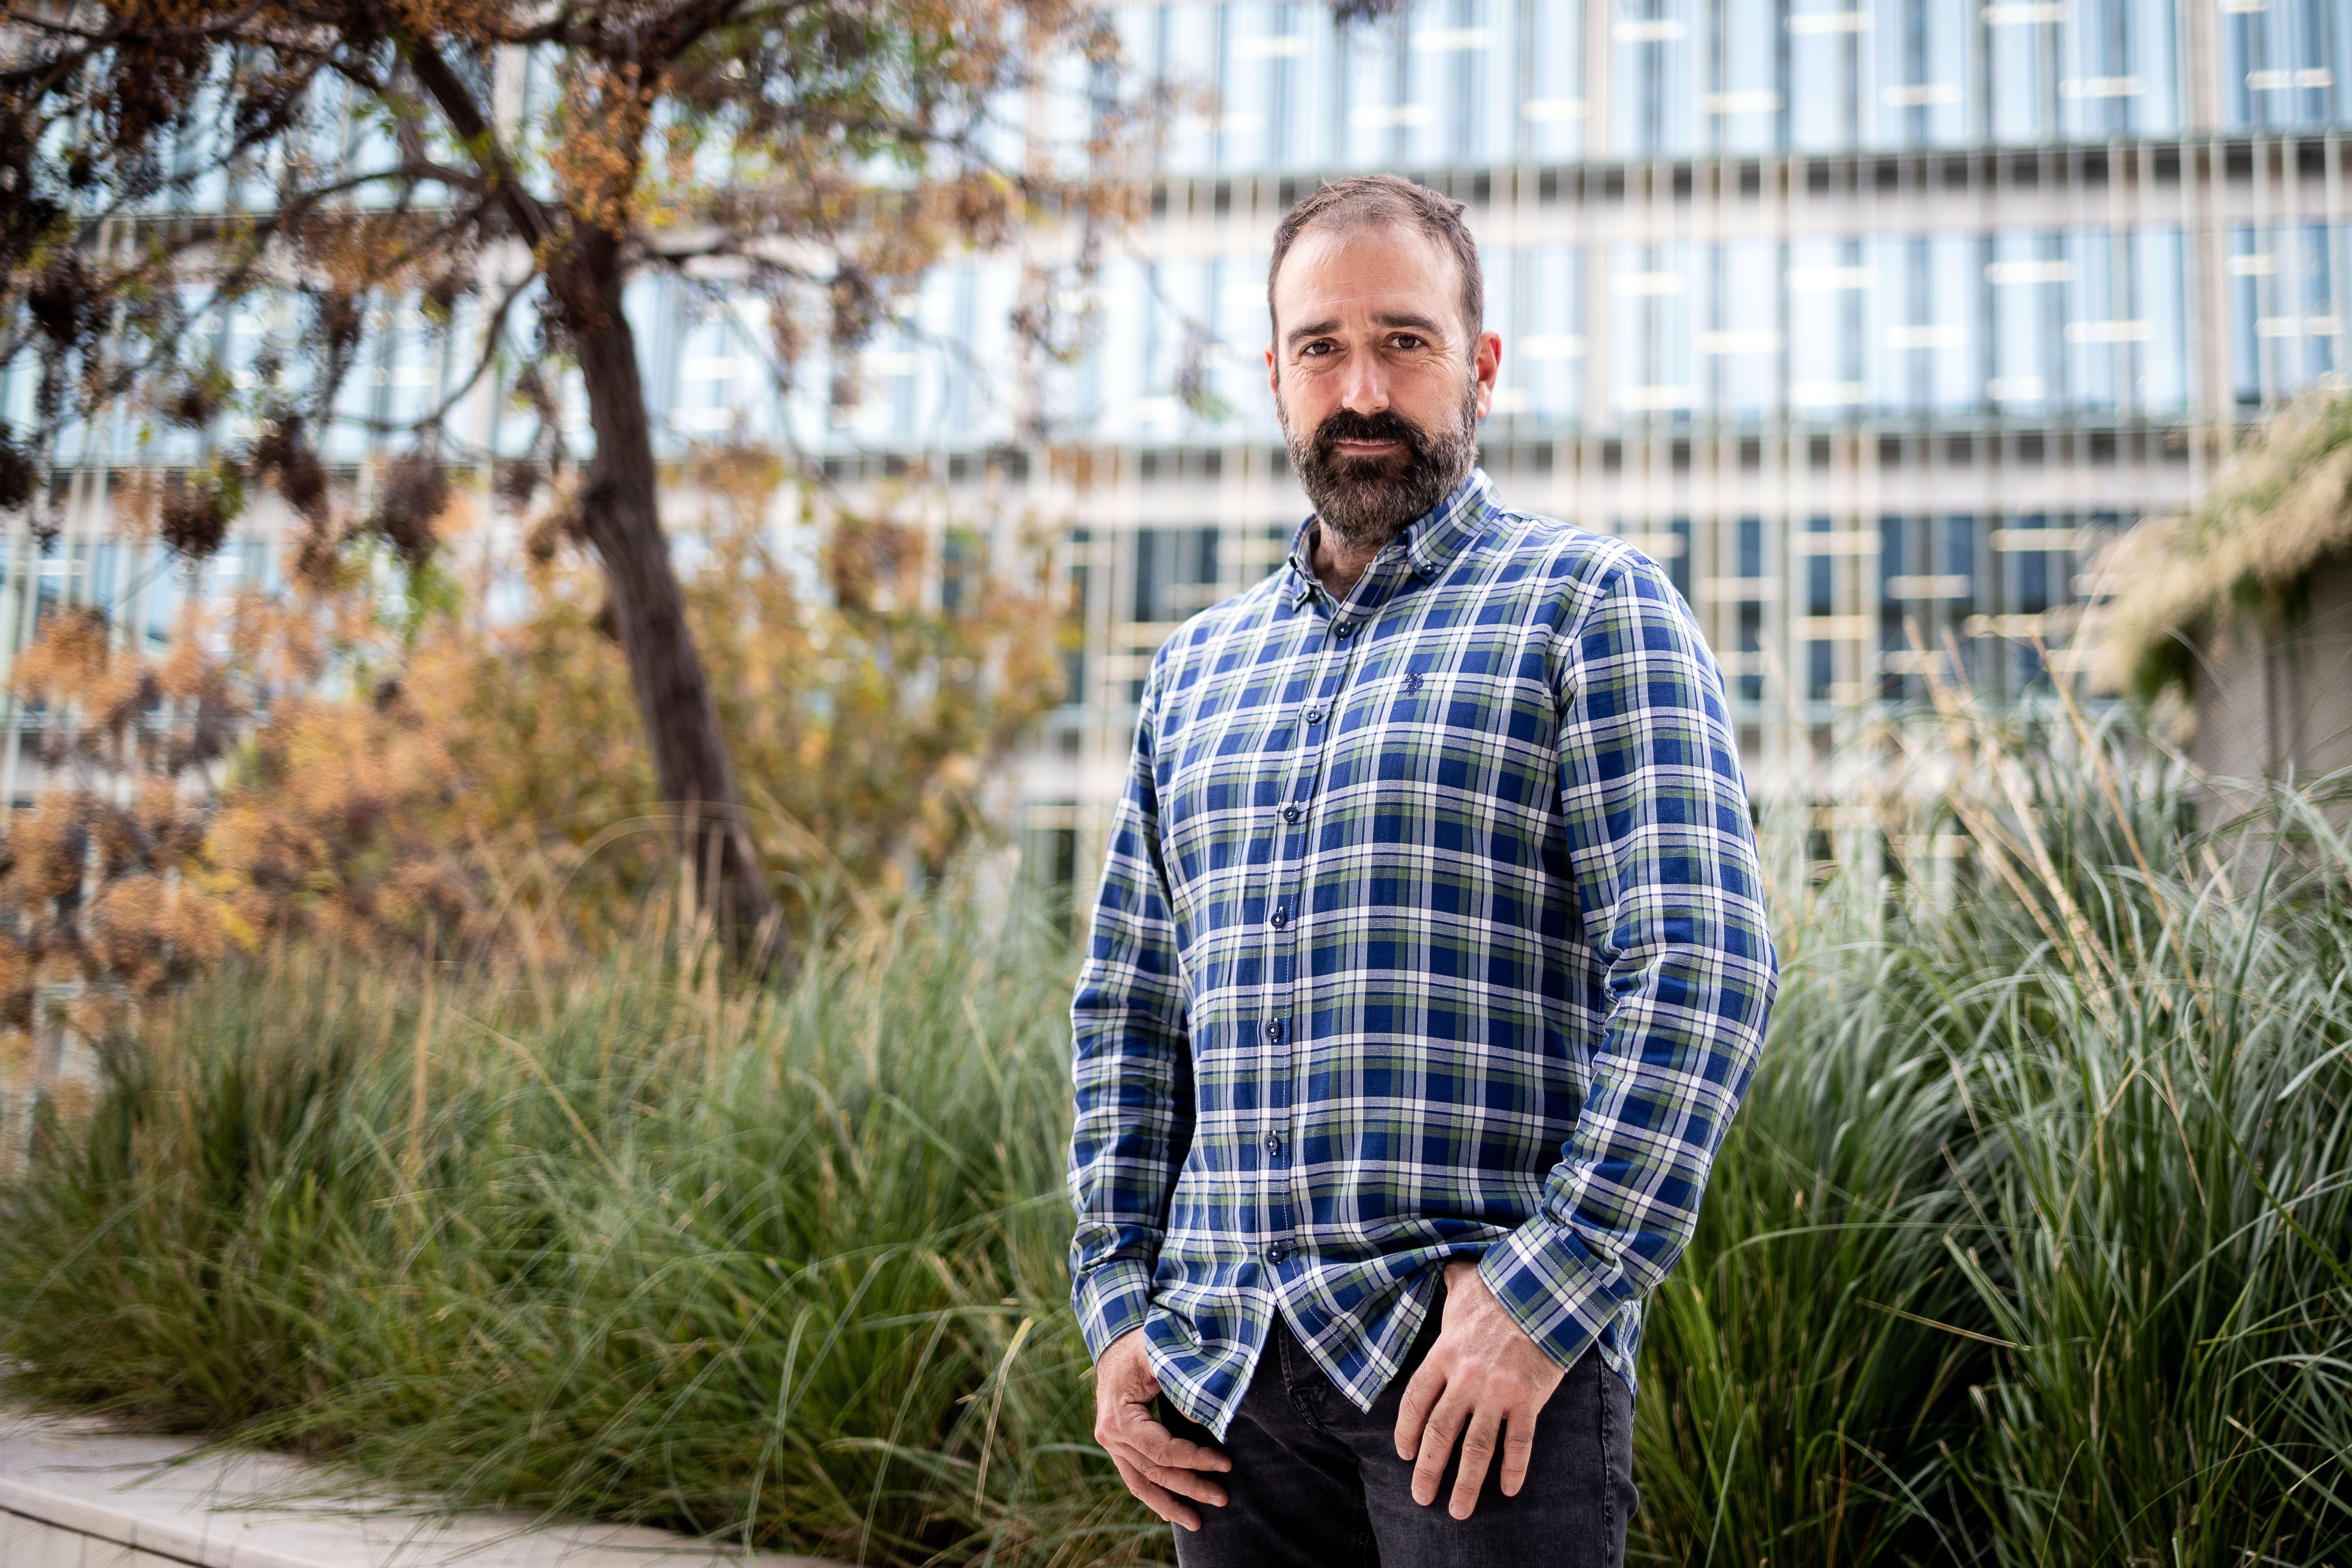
[1430,926]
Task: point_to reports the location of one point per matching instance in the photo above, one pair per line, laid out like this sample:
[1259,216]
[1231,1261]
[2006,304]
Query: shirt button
[1314,715]
[1427,569]
[1274,1143]
[1273,1252]
[1279,919]
[1290,814]
[1344,628]
[1274,1028]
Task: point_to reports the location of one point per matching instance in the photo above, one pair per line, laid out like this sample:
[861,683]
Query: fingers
[1156,1498]
[1437,1446]
[1184,1483]
[1518,1452]
[1160,1468]
[1477,1455]
[1158,1445]
[1168,1461]
[1420,1396]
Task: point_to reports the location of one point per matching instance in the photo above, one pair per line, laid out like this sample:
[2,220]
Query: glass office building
[1869,319]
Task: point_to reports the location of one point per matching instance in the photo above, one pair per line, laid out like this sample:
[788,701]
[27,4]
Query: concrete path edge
[75,1495]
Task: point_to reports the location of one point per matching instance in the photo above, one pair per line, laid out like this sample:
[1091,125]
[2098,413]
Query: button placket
[1315,719]
[1291,884]
[1276,933]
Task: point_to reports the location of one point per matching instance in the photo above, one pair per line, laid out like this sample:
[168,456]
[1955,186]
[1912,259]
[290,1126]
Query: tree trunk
[619,515]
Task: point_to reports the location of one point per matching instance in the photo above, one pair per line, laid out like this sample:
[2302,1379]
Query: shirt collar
[1429,540]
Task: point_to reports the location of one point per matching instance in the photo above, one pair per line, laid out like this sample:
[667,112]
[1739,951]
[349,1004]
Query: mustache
[1388,424]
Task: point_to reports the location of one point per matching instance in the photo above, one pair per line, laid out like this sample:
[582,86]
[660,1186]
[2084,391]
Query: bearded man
[1427,969]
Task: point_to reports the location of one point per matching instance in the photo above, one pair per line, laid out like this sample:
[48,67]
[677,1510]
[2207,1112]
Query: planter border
[74,1496]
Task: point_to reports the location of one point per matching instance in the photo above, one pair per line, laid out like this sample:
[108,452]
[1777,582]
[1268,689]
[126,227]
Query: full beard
[1364,503]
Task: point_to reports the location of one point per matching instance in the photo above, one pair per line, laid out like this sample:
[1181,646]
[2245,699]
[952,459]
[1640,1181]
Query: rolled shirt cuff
[1110,1299]
[1544,1278]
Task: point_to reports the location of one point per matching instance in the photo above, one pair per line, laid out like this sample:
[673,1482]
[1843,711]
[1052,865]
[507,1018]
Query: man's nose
[1364,385]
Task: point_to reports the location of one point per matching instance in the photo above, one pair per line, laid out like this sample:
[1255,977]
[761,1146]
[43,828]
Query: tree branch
[690,25]
[219,27]
[476,133]
[556,30]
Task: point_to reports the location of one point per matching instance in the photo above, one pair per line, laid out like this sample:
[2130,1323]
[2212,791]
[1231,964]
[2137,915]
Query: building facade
[1870,320]
[1868,317]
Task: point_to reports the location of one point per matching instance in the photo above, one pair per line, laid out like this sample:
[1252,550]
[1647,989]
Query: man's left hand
[1483,1381]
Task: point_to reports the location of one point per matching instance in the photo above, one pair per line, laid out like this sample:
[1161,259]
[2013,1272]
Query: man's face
[1377,379]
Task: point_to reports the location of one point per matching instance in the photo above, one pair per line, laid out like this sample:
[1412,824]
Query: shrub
[375,758]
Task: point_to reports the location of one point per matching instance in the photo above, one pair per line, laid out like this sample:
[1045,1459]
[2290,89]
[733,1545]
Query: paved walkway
[74,1496]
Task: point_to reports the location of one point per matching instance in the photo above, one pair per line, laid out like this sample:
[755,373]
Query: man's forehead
[1362,257]
[1374,293]
[1375,271]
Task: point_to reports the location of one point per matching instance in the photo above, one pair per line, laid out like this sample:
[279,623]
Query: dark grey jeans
[1316,1482]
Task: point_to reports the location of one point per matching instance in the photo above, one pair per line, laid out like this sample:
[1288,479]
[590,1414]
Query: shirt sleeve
[1132,1064]
[1663,859]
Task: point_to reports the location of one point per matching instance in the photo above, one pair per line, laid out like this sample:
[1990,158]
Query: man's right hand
[1160,1468]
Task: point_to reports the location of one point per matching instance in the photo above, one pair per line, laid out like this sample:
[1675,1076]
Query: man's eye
[1315,349]
[1405,341]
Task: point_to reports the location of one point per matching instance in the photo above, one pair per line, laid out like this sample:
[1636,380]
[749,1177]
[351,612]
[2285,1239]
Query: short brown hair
[1368,199]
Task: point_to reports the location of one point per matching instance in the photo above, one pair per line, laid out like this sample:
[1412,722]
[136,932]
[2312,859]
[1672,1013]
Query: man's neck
[1338,563]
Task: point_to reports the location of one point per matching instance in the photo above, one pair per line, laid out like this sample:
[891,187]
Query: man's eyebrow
[1418,323]
[1311,330]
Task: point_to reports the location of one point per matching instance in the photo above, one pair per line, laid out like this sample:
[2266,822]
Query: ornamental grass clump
[2031,1245]
[782,1267]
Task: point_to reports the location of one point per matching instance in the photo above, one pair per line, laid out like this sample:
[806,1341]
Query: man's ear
[1272,372]
[1487,364]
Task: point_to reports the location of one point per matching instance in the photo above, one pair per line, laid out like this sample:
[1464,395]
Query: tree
[510,166]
